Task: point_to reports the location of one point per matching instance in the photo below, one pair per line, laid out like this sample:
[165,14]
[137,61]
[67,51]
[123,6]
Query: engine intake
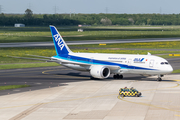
[100,72]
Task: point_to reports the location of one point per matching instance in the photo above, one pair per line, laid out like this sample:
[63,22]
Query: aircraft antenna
[55,9]
[160,10]
[70,13]
[106,10]
[0,9]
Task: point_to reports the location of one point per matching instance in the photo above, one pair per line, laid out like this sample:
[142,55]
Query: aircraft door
[129,62]
[130,69]
[151,63]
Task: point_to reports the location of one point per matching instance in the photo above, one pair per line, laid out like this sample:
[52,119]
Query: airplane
[101,65]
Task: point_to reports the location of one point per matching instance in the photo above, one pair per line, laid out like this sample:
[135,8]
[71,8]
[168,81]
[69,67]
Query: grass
[13,87]
[176,71]
[167,56]
[109,35]
[145,45]
[124,51]
[21,52]
[12,63]
[39,34]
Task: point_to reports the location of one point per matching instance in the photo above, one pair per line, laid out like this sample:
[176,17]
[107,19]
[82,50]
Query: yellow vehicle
[123,92]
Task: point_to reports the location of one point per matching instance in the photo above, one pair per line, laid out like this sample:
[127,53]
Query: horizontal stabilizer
[33,58]
[38,56]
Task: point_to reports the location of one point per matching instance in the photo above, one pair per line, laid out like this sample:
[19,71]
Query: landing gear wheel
[118,76]
[114,76]
[121,76]
[159,79]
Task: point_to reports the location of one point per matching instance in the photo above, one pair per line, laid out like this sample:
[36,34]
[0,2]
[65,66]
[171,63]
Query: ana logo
[59,41]
[138,59]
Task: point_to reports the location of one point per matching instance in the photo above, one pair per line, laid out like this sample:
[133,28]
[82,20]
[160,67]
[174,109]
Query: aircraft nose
[170,69]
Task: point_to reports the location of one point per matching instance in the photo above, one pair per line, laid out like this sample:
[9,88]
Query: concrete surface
[58,93]
[96,100]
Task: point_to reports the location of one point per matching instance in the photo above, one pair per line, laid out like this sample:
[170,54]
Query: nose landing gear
[159,77]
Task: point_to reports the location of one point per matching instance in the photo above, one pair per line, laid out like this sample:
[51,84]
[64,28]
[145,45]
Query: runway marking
[177,115]
[163,88]
[54,76]
[20,72]
[177,80]
[146,104]
[44,72]
[15,72]
[34,71]
[26,112]
[84,99]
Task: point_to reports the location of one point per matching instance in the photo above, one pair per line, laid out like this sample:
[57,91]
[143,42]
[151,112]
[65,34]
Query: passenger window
[166,63]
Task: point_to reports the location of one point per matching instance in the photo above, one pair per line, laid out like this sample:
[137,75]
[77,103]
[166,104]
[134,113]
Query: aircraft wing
[50,59]
[114,67]
[111,67]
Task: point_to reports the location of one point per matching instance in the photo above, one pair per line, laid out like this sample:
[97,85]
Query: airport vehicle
[101,65]
[123,92]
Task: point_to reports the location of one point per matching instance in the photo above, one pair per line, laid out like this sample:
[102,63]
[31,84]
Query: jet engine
[100,72]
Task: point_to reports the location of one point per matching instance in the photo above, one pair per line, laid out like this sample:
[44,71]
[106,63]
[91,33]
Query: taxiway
[61,93]
[81,42]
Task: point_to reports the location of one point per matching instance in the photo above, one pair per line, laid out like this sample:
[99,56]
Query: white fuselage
[127,63]
[102,65]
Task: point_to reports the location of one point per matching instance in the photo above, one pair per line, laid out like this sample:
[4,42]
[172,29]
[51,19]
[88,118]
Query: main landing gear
[159,79]
[117,76]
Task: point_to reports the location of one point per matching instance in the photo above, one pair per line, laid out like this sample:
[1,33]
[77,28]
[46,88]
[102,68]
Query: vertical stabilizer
[60,45]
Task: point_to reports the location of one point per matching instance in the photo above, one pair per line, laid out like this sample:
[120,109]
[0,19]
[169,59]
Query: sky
[91,6]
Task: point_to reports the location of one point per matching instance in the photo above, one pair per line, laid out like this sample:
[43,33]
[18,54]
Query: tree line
[30,19]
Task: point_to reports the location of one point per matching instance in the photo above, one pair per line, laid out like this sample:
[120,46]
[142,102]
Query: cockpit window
[162,63]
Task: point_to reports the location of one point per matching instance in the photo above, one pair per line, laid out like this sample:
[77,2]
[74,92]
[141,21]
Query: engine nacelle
[100,72]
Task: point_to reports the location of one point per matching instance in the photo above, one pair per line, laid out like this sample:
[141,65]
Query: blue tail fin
[60,45]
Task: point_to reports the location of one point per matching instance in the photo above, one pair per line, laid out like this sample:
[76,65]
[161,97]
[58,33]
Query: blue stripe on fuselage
[96,62]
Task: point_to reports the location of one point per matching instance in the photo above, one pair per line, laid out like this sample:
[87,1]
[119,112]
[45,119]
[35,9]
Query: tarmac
[95,100]
[82,42]
[59,93]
